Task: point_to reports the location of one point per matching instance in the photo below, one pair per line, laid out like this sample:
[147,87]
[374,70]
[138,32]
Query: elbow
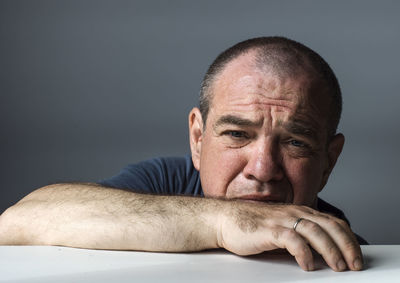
[8,235]
[16,221]
[20,224]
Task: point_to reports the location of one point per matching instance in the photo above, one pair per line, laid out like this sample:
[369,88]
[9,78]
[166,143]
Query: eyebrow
[238,121]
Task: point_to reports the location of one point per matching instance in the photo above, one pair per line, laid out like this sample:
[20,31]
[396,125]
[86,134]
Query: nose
[264,162]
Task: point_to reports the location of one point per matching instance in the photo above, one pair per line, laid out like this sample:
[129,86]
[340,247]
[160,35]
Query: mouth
[259,199]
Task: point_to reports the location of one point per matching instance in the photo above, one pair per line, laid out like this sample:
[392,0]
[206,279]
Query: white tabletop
[59,264]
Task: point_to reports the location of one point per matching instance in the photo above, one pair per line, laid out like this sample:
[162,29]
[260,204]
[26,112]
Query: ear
[334,149]
[195,135]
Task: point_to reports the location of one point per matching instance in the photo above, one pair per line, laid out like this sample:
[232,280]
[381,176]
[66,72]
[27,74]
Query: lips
[261,198]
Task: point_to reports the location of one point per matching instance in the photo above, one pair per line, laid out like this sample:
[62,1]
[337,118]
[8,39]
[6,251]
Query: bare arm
[90,216]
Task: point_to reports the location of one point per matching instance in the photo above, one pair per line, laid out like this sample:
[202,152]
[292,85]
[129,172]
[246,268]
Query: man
[263,145]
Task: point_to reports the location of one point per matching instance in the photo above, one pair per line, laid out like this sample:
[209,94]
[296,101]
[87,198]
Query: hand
[252,228]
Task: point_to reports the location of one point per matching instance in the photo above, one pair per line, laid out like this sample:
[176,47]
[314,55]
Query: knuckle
[295,210]
[306,209]
[333,249]
[336,226]
[275,235]
[342,223]
[350,246]
[303,251]
[290,234]
[314,228]
[326,216]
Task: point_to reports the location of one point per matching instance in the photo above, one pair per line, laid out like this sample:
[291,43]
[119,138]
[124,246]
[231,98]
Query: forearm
[90,216]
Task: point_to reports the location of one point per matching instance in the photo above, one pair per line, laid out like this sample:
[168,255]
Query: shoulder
[161,175]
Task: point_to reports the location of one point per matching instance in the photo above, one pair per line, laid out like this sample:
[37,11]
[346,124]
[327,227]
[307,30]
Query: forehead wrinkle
[264,95]
[279,103]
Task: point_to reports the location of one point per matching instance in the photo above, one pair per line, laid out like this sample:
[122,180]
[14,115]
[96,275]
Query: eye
[236,134]
[235,138]
[297,143]
[298,148]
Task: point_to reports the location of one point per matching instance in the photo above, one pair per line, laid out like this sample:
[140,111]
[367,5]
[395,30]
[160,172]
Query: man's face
[265,137]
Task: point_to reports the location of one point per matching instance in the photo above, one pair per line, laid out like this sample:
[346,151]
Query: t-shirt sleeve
[164,176]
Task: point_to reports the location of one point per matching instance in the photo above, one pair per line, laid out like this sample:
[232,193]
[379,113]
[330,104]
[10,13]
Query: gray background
[87,87]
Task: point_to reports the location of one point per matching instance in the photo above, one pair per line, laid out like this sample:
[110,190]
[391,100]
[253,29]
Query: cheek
[305,177]
[218,168]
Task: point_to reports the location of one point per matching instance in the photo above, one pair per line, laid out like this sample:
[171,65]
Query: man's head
[269,109]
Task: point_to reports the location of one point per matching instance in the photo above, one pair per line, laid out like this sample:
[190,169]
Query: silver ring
[297,223]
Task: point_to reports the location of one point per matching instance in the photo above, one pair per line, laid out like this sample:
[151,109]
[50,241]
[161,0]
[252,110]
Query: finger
[345,240]
[295,244]
[322,243]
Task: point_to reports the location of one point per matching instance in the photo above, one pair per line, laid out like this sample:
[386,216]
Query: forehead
[242,87]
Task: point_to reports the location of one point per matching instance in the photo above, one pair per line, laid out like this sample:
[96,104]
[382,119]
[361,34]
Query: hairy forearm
[90,216]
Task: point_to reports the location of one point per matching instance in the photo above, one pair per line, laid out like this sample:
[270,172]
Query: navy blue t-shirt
[177,176]
[162,176]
